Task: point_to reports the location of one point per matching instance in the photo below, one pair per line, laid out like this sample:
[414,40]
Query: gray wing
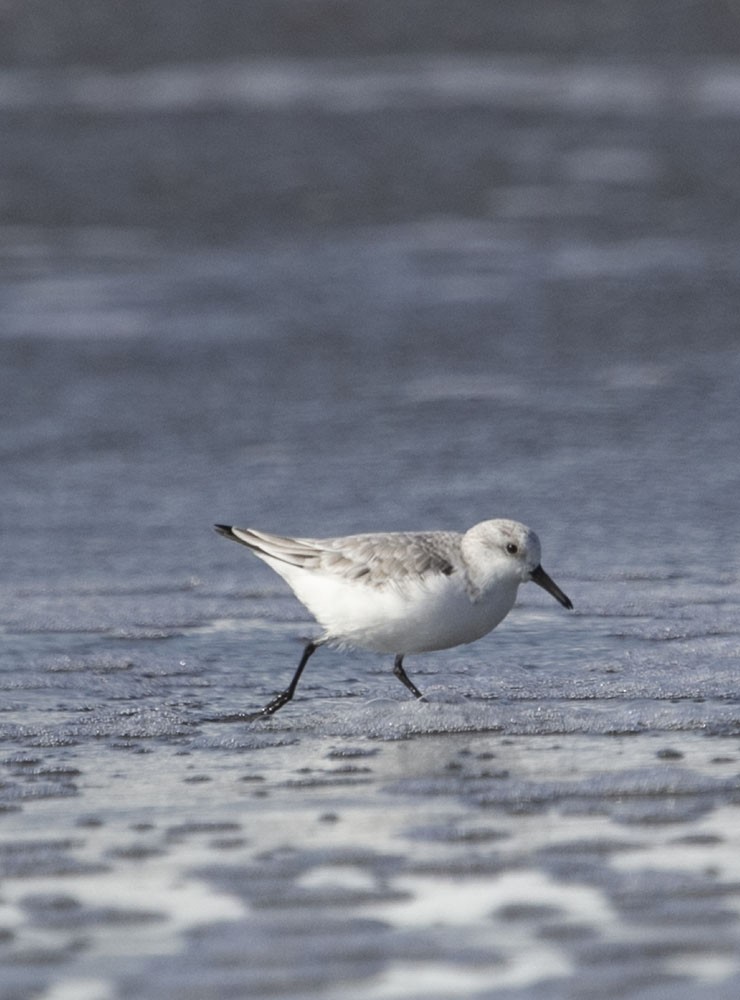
[376,559]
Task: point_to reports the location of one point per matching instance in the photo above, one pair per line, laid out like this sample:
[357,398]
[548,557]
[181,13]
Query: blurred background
[326,266]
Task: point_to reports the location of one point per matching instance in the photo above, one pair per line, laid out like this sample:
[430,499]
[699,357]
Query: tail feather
[295,551]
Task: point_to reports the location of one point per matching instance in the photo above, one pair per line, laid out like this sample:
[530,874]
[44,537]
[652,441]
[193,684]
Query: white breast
[434,612]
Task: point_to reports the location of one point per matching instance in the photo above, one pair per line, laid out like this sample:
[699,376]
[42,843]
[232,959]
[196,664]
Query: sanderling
[399,592]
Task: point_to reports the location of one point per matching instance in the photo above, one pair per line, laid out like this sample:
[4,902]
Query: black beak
[540,577]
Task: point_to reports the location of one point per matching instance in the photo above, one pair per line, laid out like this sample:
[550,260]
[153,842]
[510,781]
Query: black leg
[284,697]
[401,675]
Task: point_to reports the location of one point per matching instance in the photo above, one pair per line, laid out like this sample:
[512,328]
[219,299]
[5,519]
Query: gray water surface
[370,292]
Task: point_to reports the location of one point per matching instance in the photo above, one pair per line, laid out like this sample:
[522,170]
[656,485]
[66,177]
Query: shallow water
[437,290]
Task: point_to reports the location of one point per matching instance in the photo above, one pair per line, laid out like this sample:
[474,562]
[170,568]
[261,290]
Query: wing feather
[377,560]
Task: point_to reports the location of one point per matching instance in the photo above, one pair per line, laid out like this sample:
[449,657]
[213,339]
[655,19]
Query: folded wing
[376,559]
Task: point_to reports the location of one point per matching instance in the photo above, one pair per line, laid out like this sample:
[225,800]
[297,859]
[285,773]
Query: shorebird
[402,592]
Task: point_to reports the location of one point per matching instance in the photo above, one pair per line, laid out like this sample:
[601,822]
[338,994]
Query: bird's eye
[512,549]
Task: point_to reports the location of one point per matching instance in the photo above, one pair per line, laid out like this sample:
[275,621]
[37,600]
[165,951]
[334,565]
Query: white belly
[435,613]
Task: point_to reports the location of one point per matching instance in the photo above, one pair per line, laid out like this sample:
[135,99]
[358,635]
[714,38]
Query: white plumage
[399,592]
